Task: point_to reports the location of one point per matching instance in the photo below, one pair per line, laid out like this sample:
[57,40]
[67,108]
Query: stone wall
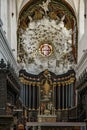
[5,50]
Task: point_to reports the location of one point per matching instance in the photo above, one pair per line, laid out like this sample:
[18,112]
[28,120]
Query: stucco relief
[42,27]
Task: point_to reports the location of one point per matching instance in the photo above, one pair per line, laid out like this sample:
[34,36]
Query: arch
[56,14]
[25,3]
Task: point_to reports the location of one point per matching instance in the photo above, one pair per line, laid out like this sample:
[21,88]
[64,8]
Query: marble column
[58,97]
[72,95]
[26,95]
[29,97]
[38,97]
[62,96]
[35,100]
[33,97]
[69,95]
[66,96]
[54,96]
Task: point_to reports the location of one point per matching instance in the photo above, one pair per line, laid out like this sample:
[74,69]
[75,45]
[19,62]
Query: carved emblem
[45,49]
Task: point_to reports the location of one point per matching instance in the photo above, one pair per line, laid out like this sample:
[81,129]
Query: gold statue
[46,87]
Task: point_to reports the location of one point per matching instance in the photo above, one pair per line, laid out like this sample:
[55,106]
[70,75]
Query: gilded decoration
[47,80]
[47,83]
[45,49]
[47,87]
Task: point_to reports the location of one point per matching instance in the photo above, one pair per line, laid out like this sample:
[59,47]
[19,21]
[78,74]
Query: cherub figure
[44,5]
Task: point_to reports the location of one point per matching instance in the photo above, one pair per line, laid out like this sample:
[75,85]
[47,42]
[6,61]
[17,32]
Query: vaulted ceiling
[47,36]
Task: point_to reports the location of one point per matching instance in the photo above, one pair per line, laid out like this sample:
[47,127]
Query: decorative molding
[35,80]
[6,50]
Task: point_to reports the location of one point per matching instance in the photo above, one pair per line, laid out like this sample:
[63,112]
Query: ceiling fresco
[47,38]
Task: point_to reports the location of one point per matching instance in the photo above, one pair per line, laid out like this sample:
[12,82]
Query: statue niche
[46,94]
[46,87]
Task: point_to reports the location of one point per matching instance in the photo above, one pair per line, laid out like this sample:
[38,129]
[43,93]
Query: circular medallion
[45,49]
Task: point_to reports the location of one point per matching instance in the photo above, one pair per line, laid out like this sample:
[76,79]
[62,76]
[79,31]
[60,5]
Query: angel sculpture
[44,5]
